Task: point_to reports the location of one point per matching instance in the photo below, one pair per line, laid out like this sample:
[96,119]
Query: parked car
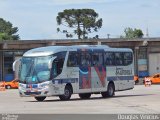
[154,78]
[11,84]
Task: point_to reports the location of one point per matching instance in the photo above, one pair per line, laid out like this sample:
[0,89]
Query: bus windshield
[34,70]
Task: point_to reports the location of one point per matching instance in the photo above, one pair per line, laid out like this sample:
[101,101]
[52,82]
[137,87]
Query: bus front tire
[85,95]
[110,91]
[40,98]
[67,93]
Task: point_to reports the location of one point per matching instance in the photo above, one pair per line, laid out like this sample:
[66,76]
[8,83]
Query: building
[146,52]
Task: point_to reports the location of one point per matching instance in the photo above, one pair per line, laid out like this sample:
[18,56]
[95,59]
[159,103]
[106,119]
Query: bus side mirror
[14,64]
[50,62]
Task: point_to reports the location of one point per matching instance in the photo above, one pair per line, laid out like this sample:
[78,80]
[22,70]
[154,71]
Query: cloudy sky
[36,19]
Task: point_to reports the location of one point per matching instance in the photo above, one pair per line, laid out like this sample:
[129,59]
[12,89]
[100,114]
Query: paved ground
[139,100]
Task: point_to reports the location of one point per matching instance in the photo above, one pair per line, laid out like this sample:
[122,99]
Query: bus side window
[109,58]
[119,58]
[54,68]
[127,58]
[97,58]
[72,59]
[85,59]
[57,64]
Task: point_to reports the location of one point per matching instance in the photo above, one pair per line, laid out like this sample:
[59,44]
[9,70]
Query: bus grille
[32,93]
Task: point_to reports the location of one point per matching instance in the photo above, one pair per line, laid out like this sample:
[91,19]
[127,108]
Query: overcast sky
[36,19]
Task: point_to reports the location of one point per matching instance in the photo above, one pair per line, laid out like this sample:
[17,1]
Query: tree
[82,22]
[7,31]
[133,33]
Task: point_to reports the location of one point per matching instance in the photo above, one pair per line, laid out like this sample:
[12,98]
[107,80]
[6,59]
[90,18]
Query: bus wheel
[85,95]
[40,98]
[110,91]
[67,93]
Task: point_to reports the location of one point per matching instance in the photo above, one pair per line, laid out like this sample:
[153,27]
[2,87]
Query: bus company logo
[121,71]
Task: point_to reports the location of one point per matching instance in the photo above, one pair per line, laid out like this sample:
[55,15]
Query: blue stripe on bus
[120,78]
[75,80]
[61,81]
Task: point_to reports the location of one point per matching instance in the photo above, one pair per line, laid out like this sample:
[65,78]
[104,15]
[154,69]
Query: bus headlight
[22,86]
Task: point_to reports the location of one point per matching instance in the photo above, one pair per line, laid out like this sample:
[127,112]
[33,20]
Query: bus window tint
[127,58]
[72,59]
[85,59]
[97,58]
[109,58]
[119,58]
[57,64]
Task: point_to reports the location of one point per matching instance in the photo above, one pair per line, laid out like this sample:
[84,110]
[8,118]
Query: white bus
[81,69]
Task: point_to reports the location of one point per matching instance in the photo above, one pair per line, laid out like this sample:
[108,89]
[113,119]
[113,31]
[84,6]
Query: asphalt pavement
[140,100]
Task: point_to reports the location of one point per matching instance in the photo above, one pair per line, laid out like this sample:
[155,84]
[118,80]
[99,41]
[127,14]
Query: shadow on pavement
[93,98]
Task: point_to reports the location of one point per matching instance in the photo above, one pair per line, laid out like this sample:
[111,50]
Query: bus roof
[44,51]
[49,50]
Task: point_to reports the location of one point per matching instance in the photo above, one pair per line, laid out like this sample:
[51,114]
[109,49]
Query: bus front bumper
[46,91]
[33,92]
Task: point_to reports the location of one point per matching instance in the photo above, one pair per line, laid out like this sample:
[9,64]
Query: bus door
[98,71]
[73,69]
[85,70]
